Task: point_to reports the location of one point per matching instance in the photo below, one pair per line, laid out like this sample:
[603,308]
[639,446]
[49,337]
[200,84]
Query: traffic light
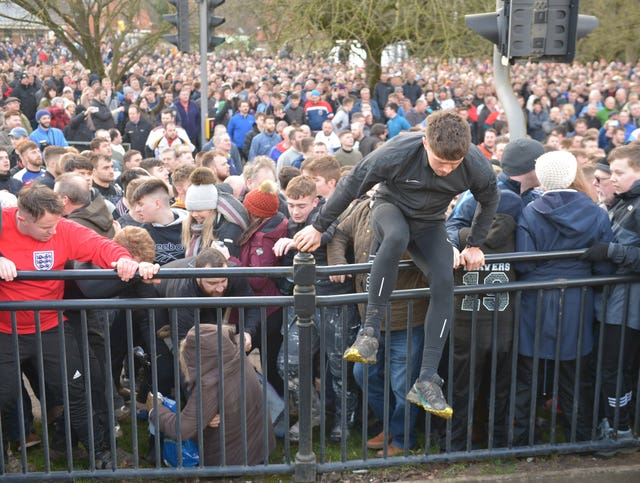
[540,30]
[492,26]
[213,21]
[180,20]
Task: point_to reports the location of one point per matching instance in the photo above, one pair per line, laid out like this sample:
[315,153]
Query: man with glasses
[602,184]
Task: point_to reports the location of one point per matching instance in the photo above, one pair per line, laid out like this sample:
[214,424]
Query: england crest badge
[43,260]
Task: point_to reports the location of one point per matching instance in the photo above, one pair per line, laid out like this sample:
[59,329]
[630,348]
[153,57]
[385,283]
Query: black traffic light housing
[539,30]
[492,26]
[213,21]
[180,20]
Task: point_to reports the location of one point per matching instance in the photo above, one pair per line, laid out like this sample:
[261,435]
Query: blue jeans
[397,378]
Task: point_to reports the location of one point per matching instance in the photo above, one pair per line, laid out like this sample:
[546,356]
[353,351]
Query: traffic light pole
[512,109]
[204,84]
[508,100]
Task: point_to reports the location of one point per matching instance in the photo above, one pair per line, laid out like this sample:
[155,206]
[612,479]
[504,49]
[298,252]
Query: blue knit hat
[41,113]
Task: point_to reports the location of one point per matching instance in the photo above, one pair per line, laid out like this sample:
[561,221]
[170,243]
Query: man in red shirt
[317,110]
[35,236]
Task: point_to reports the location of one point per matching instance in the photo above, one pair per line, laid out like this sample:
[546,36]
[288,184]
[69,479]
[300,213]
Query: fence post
[304,302]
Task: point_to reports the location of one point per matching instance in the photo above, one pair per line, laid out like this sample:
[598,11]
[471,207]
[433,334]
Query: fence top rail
[147,303]
[272,272]
[321,300]
[107,274]
[489,258]
[556,283]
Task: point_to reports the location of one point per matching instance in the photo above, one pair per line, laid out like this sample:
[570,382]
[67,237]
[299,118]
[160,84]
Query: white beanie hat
[556,170]
[201,197]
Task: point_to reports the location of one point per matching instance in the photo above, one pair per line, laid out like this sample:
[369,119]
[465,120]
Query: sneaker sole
[337,439]
[390,453]
[377,445]
[28,445]
[415,398]
[353,355]
[296,438]
[374,446]
[617,451]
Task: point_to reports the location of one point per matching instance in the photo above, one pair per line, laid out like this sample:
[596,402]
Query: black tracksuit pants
[430,250]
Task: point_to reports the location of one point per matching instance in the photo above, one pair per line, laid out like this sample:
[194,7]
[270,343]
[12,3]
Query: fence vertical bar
[304,301]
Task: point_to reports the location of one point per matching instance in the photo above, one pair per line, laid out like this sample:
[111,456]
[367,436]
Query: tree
[89,28]
[616,38]
[434,28]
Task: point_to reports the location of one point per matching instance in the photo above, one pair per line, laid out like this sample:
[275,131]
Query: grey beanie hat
[201,197]
[520,156]
[603,165]
[556,170]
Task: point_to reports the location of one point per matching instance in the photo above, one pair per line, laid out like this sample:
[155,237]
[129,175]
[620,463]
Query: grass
[499,466]
[456,469]
[332,452]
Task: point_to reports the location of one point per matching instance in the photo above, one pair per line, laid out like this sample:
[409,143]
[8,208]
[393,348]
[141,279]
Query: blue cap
[18,132]
[315,92]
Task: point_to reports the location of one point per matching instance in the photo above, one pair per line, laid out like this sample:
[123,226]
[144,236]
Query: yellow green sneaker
[428,395]
[364,348]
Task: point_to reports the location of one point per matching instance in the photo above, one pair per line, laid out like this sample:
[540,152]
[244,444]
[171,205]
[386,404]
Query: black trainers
[428,395]
[294,430]
[103,459]
[364,348]
[337,434]
[607,433]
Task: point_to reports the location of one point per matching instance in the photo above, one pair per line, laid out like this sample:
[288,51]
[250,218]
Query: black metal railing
[313,453]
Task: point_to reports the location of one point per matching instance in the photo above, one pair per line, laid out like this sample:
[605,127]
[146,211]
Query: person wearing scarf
[214,215]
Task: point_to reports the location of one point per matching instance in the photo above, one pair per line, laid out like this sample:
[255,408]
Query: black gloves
[596,252]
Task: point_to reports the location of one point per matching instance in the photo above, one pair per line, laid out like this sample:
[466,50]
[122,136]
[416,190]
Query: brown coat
[209,356]
[355,230]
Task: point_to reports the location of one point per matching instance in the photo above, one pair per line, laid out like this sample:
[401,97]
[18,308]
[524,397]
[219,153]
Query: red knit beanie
[263,201]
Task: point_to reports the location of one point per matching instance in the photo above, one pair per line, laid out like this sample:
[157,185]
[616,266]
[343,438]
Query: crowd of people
[304,155]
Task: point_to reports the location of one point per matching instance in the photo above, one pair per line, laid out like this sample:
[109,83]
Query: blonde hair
[207,238]
[200,176]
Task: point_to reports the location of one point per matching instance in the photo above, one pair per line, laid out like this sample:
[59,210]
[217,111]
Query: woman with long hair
[214,215]
[46,101]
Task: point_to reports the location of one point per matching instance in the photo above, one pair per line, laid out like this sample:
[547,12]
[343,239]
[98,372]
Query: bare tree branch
[88,27]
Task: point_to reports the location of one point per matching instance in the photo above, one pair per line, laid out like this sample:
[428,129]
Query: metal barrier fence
[84,145]
[60,460]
